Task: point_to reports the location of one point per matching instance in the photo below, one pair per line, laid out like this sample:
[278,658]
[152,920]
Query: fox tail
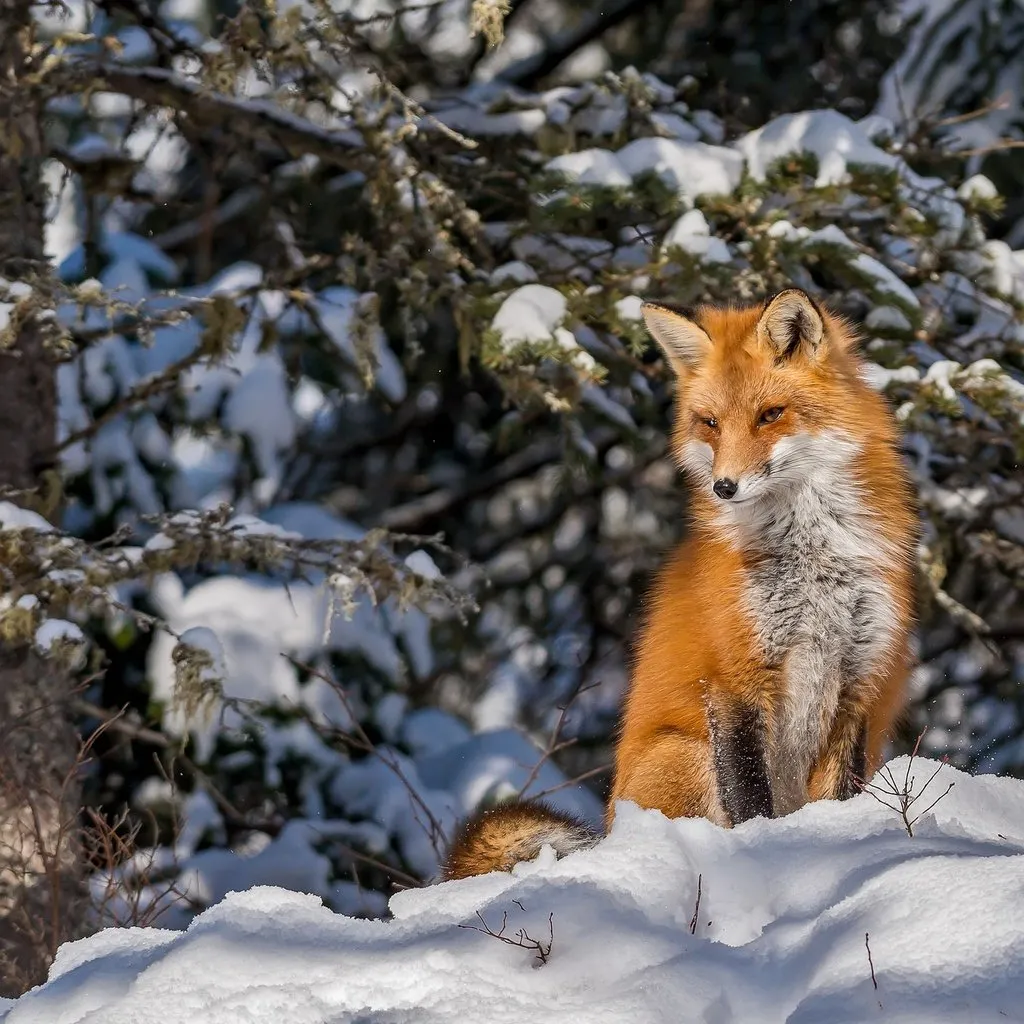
[500,837]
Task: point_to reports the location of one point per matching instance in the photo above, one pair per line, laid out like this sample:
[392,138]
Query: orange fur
[498,838]
[698,628]
[702,659]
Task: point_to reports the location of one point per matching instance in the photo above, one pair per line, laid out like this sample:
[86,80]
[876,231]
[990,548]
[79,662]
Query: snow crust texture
[788,912]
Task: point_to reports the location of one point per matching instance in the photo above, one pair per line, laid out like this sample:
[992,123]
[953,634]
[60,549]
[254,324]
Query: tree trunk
[40,892]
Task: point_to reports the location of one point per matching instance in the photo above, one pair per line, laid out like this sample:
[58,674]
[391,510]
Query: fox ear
[684,343]
[791,323]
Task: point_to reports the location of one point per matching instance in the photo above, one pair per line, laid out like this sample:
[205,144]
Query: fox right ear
[791,323]
[684,343]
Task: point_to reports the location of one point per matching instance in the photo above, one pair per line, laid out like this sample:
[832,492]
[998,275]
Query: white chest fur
[822,611]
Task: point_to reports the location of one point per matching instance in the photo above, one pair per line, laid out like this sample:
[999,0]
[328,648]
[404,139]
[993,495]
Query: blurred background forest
[335,451]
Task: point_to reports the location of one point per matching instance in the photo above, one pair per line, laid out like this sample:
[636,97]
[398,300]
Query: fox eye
[710,421]
[771,415]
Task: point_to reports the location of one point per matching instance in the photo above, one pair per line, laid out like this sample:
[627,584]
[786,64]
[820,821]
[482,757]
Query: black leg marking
[854,764]
[741,762]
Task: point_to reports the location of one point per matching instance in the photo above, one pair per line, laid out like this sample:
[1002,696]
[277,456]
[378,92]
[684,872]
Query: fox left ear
[791,323]
[684,342]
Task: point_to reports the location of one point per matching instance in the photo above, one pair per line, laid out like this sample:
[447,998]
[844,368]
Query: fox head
[767,396]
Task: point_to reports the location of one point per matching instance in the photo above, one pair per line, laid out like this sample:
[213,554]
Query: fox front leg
[738,743]
[841,767]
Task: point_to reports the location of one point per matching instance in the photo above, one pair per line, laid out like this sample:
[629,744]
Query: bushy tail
[498,838]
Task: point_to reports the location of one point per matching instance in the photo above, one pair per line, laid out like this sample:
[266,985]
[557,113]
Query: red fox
[773,661]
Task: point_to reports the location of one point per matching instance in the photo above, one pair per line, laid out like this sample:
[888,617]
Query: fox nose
[725,488]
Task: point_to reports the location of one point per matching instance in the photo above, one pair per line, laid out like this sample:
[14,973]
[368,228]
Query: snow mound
[789,911]
[691,169]
[534,313]
[833,138]
[692,233]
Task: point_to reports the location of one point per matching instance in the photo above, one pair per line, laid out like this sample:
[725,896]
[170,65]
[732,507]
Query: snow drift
[798,920]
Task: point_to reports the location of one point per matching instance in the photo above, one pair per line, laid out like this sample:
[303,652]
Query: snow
[833,138]
[880,377]
[795,917]
[841,146]
[17,290]
[514,272]
[249,623]
[496,764]
[949,62]
[576,254]
[14,517]
[601,400]
[692,234]
[884,281]
[531,313]
[124,246]
[1009,523]
[148,467]
[257,622]
[887,318]
[591,167]
[534,313]
[288,860]
[474,122]
[977,187]
[691,169]
[675,126]
[258,407]
[711,125]
[338,309]
[209,651]
[53,631]
[431,731]
[629,307]
[92,147]
[1004,270]
[250,626]
[421,563]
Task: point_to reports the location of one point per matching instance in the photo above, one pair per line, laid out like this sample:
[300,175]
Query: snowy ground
[779,935]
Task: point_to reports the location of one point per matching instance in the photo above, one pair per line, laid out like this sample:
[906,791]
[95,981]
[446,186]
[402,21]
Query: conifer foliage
[345,466]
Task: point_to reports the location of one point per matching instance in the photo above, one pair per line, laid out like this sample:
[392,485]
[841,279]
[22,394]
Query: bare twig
[999,103]
[112,851]
[446,499]
[116,721]
[45,850]
[252,119]
[1000,145]
[871,964]
[696,908]
[402,878]
[522,939]
[360,740]
[904,795]
[970,621]
[166,380]
[574,781]
[234,817]
[555,743]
